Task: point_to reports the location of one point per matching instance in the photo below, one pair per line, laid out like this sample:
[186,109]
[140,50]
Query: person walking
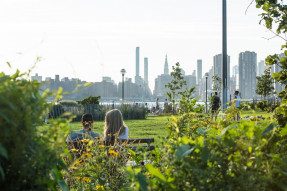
[237,100]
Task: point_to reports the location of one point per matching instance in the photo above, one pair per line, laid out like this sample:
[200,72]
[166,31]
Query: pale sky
[88,39]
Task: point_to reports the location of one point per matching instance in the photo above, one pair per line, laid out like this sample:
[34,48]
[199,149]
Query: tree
[179,90]
[90,104]
[275,16]
[216,83]
[264,86]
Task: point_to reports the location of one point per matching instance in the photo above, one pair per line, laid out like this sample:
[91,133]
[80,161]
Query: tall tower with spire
[166,71]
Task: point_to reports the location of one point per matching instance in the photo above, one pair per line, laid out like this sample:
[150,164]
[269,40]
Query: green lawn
[152,127]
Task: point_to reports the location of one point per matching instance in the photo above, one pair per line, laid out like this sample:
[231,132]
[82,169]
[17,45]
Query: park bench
[135,144]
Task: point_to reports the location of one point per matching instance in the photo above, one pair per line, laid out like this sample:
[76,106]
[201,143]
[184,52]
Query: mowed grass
[152,127]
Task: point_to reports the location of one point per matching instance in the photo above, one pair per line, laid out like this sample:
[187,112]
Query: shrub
[29,158]
[205,155]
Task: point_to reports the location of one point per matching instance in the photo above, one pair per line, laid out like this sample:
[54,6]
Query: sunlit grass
[152,127]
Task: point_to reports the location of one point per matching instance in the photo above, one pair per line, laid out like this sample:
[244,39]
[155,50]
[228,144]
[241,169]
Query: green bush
[204,155]
[98,111]
[267,105]
[28,158]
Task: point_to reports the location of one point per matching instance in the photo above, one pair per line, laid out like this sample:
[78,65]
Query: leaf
[2,175]
[143,183]
[155,172]
[3,152]
[63,185]
[183,151]
[284,131]
[269,128]
[59,178]
[201,131]
[9,65]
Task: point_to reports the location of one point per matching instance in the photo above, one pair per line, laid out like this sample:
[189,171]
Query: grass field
[152,127]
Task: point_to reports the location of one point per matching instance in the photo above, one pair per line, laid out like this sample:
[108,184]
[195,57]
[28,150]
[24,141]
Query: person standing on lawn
[215,105]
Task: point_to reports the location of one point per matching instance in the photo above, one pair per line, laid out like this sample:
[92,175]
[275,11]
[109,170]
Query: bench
[132,143]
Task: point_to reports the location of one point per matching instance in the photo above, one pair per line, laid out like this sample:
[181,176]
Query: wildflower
[74,150]
[100,187]
[114,153]
[85,140]
[87,155]
[86,179]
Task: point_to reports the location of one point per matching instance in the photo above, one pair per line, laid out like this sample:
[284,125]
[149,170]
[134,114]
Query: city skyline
[91,39]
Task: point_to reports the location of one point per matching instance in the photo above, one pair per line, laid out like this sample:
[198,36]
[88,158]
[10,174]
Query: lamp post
[123,71]
[206,77]
[224,55]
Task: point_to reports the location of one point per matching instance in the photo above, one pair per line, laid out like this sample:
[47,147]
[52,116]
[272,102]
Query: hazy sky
[89,39]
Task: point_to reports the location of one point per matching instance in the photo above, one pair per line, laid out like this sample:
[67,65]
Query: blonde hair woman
[115,128]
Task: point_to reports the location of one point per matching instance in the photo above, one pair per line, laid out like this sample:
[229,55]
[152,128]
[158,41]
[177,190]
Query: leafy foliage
[27,157]
[178,90]
[90,100]
[201,154]
[264,86]
[275,15]
[216,83]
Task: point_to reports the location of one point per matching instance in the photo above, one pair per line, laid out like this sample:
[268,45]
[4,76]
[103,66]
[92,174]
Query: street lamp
[206,77]
[123,71]
[224,55]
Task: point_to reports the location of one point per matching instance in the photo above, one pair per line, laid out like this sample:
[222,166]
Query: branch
[275,35]
[249,6]
[269,38]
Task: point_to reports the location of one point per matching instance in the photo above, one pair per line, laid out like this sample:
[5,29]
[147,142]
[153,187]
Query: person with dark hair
[73,140]
[215,105]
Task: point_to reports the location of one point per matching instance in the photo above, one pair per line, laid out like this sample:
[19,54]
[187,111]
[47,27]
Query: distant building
[137,64]
[37,78]
[57,78]
[159,88]
[260,68]
[247,74]
[199,71]
[234,85]
[190,81]
[217,69]
[166,70]
[108,79]
[146,70]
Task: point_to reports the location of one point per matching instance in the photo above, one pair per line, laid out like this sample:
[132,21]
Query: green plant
[179,91]
[201,154]
[275,15]
[28,158]
[264,86]
[98,168]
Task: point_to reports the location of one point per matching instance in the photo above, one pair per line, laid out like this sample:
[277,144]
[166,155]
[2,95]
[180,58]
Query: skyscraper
[276,68]
[137,64]
[199,70]
[247,74]
[217,70]
[146,70]
[260,68]
[166,71]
